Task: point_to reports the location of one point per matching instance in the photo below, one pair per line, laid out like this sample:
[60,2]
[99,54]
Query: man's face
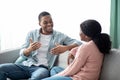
[46,24]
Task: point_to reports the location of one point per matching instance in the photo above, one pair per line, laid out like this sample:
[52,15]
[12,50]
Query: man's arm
[61,48]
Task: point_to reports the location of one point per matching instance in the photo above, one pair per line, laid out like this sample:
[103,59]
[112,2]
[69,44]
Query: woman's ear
[87,38]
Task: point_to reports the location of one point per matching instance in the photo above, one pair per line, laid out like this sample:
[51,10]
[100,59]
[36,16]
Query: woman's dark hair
[44,13]
[92,29]
[103,42]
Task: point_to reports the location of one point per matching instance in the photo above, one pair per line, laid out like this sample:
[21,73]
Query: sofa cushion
[111,66]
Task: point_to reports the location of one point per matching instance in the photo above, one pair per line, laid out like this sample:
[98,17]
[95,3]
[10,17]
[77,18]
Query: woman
[88,57]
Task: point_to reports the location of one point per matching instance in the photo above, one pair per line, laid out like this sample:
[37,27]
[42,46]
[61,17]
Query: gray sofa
[110,68]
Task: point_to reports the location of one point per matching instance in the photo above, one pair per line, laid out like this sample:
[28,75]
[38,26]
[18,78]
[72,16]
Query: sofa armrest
[9,56]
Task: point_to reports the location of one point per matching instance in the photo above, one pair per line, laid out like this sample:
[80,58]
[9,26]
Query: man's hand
[59,49]
[32,47]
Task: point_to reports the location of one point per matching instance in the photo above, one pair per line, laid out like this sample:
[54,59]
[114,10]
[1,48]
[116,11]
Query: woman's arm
[77,64]
[71,55]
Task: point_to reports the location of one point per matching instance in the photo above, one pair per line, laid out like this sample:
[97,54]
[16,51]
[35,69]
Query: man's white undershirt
[42,51]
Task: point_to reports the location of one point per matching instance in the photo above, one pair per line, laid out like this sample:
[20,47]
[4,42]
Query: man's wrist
[71,46]
[27,51]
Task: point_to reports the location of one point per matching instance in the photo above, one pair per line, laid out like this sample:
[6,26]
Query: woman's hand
[70,58]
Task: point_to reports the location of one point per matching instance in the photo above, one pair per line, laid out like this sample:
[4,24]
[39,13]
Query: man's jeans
[17,71]
[54,71]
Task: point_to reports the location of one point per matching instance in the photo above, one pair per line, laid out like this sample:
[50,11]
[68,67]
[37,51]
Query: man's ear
[39,23]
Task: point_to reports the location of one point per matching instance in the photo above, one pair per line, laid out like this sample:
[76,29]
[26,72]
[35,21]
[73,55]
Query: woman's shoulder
[88,49]
[88,46]
[92,47]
